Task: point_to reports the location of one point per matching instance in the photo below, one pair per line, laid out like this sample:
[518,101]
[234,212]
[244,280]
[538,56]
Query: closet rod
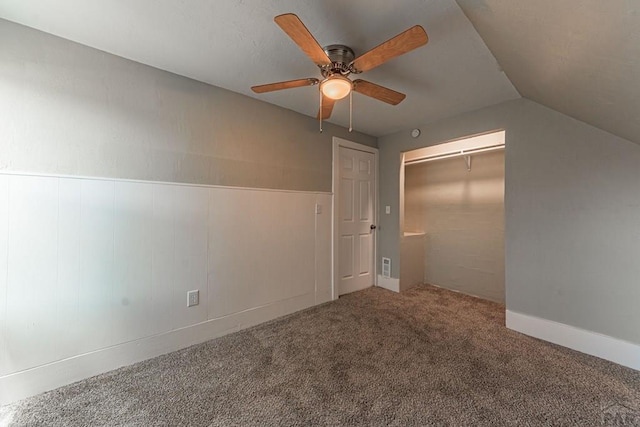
[455,154]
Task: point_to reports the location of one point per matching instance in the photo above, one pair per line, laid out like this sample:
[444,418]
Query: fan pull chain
[320,113]
[350,111]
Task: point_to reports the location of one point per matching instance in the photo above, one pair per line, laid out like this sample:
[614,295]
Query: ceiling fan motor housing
[341,57]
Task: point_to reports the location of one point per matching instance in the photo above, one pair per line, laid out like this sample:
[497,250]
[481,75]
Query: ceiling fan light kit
[336,87]
[337,62]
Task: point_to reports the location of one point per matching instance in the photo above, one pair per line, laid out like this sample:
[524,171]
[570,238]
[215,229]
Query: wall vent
[386,268]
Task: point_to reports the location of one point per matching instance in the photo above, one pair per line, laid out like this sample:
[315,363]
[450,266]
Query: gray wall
[572,209]
[462,214]
[73,110]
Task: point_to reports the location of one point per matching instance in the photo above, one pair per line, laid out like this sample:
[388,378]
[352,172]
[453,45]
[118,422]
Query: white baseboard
[33,381]
[592,343]
[389,283]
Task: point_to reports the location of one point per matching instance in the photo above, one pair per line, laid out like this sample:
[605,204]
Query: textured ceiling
[579,57]
[235,44]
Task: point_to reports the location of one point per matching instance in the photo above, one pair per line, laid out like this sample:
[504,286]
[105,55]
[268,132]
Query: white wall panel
[163,273]
[191,209]
[32,274]
[93,267]
[261,248]
[67,319]
[132,298]
[4,236]
[323,249]
[96,265]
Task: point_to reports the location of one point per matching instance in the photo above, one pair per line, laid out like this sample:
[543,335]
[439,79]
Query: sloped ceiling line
[578,57]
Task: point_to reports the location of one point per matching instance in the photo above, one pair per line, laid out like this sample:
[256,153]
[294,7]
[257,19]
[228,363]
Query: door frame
[335,178]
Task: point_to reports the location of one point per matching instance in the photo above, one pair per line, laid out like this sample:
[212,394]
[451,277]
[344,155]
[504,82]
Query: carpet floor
[424,357]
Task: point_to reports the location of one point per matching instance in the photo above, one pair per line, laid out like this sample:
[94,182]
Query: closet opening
[452,216]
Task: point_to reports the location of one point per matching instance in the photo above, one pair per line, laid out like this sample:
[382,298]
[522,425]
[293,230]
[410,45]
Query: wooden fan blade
[284,85]
[378,92]
[404,42]
[293,26]
[327,108]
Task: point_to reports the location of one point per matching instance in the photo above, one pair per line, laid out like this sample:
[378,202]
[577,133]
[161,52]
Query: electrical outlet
[193,298]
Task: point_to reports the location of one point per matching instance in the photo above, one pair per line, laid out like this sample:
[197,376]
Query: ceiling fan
[337,62]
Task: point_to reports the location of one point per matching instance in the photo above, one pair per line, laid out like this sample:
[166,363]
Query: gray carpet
[424,357]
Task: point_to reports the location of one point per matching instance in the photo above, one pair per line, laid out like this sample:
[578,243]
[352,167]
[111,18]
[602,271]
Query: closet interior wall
[461,213]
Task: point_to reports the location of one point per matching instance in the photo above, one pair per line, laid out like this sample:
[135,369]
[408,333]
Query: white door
[356,228]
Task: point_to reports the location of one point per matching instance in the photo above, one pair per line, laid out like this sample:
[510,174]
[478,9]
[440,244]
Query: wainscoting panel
[67,298]
[94,273]
[30,326]
[191,228]
[261,249]
[132,302]
[4,240]
[324,291]
[163,273]
[96,264]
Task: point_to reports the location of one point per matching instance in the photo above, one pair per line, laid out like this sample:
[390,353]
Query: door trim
[337,143]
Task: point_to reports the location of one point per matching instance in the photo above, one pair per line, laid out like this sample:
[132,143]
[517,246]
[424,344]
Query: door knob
[373,227]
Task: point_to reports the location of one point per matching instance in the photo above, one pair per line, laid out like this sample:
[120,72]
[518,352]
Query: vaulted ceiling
[580,57]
